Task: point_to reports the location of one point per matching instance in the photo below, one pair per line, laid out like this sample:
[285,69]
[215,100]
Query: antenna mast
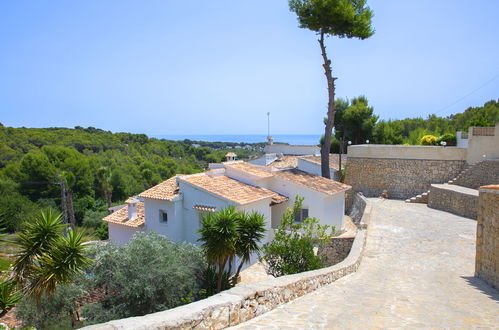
[269,138]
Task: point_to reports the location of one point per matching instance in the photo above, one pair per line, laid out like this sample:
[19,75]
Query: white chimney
[132,208]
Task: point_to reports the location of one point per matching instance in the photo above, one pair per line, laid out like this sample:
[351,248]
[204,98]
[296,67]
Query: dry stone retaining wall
[337,250]
[487,242]
[245,302]
[480,174]
[454,199]
[402,178]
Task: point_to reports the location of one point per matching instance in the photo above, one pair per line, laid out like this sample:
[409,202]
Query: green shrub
[428,140]
[57,311]
[449,139]
[292,249]
[149,274]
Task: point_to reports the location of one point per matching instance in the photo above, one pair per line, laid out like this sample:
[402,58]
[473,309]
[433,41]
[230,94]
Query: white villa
[174,207]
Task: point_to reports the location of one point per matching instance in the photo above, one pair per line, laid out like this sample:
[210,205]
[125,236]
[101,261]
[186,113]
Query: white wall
[314,168]
[191,217]
[478,146]
[173,229]
[286,149]
[406,152]
[326,208]
[121,234]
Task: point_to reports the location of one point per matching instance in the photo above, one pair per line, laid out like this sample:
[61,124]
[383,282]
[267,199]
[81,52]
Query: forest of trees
[356,122]
[97,168]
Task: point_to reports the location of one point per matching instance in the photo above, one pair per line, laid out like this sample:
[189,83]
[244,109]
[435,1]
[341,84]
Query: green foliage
[46,257]
[147,275]
[292,249]
[228,233]
[210,280]
[57,311]
[354,121]
[341,18]
[428,140]
[449,139]
[9,296]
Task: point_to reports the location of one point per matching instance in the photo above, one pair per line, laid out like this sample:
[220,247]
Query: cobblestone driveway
[417,272]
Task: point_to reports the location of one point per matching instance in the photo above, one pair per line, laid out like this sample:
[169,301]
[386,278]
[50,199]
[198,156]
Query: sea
[298,139]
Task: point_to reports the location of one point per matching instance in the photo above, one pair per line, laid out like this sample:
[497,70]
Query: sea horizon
[298,139]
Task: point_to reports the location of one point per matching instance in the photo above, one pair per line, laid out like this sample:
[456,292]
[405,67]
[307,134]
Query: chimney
[132,208]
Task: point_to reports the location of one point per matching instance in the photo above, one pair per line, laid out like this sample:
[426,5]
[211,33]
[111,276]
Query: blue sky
[217,67]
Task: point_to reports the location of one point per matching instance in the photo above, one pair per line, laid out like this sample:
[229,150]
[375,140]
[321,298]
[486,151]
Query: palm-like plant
[9,296]
[251,232]
[219,233]
[46,257]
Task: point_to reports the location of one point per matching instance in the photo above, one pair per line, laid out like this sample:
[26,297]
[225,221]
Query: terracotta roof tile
[258,171]
[279,199]
[121,217]
[166,190]
[225,187]
[311,181]
[284,162]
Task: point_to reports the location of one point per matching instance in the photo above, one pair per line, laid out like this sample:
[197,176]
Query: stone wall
[454,199]
[337,250]
[487,242]
[245,302]
[357,206]
[402,178]
[480,174]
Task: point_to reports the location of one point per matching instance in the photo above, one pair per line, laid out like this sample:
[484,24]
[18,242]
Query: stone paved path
[417,272]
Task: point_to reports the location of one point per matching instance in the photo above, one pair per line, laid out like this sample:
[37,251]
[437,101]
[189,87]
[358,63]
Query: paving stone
[417,272]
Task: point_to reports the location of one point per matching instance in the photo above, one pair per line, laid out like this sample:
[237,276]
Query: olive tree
[336,18]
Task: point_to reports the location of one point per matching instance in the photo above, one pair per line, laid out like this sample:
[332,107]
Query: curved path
[417,272]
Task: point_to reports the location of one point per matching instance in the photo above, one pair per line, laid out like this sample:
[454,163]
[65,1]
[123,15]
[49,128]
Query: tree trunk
[221,266]
[238,271]
[331,110]
[109,194]
[63,203]
[71,209]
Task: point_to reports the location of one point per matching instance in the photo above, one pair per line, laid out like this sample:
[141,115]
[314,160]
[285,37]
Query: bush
[292,249]
[449,139]
[149,274]
[428,140]
[57,311]
[93,219]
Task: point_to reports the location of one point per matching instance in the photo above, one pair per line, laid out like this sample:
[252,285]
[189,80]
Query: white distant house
[174,207]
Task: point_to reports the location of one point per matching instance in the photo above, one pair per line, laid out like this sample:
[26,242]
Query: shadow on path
[481,285]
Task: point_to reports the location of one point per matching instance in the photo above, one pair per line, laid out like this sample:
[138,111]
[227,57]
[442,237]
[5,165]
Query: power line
[470,93]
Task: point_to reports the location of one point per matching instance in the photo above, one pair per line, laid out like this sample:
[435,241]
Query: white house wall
[314,168]
[173,228]
[121,234]
[326,208]
[191,216]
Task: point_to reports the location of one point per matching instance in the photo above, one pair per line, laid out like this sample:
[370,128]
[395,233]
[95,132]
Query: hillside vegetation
[97,167]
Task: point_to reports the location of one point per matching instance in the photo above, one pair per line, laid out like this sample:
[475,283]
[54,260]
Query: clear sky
[217,67]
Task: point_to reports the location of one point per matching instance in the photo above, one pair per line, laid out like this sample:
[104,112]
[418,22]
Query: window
[301,215]
[163,216]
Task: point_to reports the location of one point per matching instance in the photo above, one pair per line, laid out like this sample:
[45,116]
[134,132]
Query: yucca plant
[9,296]
[219,233]
[47,257]
[251,232]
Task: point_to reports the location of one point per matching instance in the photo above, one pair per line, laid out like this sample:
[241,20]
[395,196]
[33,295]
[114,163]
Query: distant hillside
[93,162]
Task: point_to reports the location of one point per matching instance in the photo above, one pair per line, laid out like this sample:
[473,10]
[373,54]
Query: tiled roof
[225,187]
[279,199]
[206,208]
[166,190]
[311,181]
[334,160]
[255,170]
[121,217]
[284,162]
